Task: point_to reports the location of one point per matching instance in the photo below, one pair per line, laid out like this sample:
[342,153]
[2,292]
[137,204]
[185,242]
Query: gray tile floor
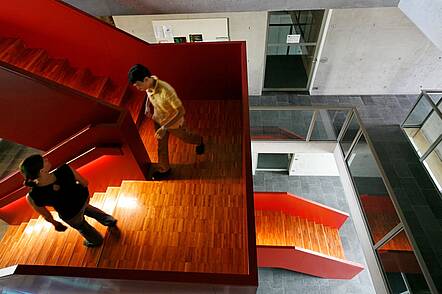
[328,191]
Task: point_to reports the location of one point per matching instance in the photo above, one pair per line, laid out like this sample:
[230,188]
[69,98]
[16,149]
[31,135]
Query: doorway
[275,162]
[292,43]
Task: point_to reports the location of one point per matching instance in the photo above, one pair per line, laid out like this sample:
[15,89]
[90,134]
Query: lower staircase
[36,242]
[301,235]
[185,226]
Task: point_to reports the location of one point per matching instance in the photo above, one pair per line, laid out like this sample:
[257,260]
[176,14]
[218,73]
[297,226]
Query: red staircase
[301,235]
[35,60]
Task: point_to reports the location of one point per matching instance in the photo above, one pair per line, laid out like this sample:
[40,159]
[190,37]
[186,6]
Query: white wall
[427,15]
[211,29]
[289,147]
[376,51]
[243,26]
[313,164]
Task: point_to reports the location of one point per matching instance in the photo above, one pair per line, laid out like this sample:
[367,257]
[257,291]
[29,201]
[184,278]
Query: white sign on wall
[206,29]
[293,39]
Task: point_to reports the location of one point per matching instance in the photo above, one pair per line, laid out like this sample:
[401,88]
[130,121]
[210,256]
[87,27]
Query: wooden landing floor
[193,222]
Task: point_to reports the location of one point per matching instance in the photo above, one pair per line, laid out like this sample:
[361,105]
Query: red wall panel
[110,170]
[41,115]
[308,262]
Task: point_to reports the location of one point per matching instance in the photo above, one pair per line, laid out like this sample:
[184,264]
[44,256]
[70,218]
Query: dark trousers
[79,223]
[163,144]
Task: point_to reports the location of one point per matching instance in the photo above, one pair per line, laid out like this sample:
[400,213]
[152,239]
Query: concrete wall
[427,15]
[376,51]
[243,26]
[119,7]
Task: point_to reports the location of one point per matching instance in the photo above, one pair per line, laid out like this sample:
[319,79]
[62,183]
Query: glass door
[292,41]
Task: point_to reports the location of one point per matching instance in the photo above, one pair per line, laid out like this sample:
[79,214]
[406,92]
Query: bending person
[66,191]
[168,115]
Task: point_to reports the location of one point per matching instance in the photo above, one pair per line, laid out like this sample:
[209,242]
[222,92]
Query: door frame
[318,50]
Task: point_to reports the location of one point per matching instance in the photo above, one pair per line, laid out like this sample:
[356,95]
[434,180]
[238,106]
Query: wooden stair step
[6,42]
[16,56]
[290,228]
[27,57]
[11,50]
[66,76]
[306,237]
[75,81]
[313,236]
[8,257]
[39,65]
[37,242]
[322,239]
[98,86]
[32,57]
[84,82]
[24,245]
[45,242]
[58,242]
[7,240]
[21,245]
[54,68]
[111,200]
[299,233]
[339,251]
[113,93]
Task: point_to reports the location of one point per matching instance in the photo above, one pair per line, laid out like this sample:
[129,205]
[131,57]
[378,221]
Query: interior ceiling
[128,7]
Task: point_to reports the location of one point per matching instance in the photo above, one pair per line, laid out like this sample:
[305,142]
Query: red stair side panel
[298,206]
[308,262]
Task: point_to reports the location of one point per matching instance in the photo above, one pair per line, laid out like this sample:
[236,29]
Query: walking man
[168,115]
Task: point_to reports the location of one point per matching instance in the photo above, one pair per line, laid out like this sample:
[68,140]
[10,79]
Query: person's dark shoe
[161,175]
[110,222]
[200,149]
[91,244]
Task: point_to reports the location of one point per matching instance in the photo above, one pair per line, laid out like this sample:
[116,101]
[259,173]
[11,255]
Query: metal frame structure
[402,226]
[434,109]
[302,44]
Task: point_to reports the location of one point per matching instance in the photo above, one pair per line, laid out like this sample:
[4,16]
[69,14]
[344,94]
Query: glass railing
[390,243]
[299,123]
[423,127]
